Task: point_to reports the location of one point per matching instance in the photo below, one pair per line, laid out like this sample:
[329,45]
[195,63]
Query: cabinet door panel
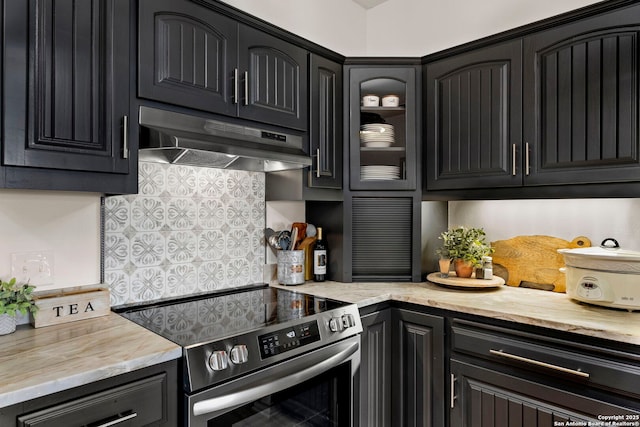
[375,370]
[418,398]
[484,397]
[581,80]
[473,119]
[325,132]
[76,91]
[187,56]
[275,85]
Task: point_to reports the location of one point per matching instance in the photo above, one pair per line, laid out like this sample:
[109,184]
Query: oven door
[314,389]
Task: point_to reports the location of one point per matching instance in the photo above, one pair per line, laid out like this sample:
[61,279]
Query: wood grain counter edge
[37,362]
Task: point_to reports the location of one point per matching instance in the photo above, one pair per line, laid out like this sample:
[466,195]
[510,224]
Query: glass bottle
[320,258]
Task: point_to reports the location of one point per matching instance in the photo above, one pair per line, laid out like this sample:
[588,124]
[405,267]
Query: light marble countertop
[39,361]
[522,305]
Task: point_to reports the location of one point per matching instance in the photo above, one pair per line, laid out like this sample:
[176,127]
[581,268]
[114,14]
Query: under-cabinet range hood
[170,137]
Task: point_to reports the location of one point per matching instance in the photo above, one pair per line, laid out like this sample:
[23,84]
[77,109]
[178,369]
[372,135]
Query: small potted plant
[14,299]
[465,246]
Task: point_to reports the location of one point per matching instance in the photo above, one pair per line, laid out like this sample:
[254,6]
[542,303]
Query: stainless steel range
[261,356]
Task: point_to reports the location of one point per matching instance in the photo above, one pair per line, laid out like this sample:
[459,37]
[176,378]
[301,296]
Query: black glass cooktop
[210,317]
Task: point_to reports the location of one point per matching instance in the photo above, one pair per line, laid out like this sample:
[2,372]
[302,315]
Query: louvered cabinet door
[581,101]
[474,119]
[382,238]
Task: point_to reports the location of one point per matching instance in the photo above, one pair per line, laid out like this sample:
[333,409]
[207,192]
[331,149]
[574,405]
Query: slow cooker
[607,275]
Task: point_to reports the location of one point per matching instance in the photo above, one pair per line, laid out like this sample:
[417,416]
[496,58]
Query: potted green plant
[465,246]
[14,298]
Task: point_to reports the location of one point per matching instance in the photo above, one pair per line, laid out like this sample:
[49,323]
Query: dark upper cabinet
[194,57]
[474,126]
[581,101]
[560,106]
[383,150]
[66,95]
[187,56]
[274,79]
[325,123]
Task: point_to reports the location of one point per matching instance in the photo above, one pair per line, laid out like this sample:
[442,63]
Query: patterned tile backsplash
[187,230]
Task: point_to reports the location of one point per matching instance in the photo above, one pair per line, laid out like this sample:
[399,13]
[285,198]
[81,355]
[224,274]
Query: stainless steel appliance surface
[261,356]
[170,137]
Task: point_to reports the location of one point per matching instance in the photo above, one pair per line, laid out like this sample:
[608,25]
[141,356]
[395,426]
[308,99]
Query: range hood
[169,137]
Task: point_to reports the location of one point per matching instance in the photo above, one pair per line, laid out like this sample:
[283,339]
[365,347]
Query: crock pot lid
[599,252]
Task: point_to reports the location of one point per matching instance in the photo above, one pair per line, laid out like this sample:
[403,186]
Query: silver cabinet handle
[318,163]
[119,420]
[236,85]
[526,156]
[125,137]
[539,363]
[453,391]
[250,394]
[246,88]
[513,159]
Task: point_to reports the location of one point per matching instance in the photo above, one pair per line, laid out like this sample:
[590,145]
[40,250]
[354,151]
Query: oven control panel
[288,339]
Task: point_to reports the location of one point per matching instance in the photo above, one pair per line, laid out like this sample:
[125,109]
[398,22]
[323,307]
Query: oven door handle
[242,397]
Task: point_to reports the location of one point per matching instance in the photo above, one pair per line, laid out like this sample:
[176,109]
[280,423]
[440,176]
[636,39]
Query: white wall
[401,27]
[338,25]
[418,27]
[596,219]
[65,223]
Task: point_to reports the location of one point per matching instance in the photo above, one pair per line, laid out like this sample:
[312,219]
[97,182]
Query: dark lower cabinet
[66,96]
[402,369]
[486,397]
[503,376]
[146,397]
[418,369]
[375,370]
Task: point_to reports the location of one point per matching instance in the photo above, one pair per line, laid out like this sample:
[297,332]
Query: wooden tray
[470,283]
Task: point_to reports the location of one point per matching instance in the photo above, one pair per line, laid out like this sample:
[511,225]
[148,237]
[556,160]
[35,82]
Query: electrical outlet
[36,268]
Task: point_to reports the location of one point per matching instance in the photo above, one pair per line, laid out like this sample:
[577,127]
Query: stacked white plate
[377,135]
[379,172]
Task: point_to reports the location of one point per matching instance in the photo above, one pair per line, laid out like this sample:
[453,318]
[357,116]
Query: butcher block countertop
[534,307]
[38,361]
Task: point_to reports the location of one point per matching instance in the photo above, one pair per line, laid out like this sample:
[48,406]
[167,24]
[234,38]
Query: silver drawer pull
[119,420]
[538,363]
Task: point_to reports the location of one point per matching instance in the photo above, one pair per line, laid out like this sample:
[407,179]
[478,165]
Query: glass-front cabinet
[383,128]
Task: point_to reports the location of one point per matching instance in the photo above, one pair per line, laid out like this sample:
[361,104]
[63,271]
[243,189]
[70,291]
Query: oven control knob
[239,354]
[218,360]
[335,324]
[348,321]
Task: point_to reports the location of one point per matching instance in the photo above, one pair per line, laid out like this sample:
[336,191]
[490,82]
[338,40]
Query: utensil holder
[290,267]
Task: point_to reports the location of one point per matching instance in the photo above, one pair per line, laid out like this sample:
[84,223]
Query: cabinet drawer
[583,363]
[138,403]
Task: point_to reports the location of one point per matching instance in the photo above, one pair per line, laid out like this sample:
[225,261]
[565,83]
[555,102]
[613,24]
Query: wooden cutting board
[533,261]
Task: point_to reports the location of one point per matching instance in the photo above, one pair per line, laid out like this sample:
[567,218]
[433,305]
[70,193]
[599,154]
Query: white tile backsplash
[188,230]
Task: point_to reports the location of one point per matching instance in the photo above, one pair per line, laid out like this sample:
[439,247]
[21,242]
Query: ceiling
[368,4]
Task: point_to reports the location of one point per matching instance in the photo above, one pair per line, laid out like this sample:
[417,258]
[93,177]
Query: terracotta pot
[463,268]
[7,324]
